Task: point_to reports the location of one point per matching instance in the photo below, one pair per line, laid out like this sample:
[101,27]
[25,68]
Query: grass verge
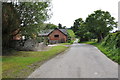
[22,63]
[65,43]
[109,52]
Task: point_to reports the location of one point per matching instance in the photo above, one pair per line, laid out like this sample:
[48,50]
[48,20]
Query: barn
[55,35]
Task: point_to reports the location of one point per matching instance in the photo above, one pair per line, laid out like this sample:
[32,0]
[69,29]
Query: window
[56,36]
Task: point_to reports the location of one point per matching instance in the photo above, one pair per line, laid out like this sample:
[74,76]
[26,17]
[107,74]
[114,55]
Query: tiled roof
[47,32]
[64,31]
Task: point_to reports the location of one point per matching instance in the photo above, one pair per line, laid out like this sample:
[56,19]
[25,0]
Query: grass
[65,43]
[89,42]
[22,63]
[71,33]
[109,52]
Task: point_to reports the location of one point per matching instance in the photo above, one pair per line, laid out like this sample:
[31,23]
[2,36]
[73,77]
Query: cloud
[66,11]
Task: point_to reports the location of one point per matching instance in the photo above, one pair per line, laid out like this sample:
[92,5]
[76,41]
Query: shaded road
[80,61]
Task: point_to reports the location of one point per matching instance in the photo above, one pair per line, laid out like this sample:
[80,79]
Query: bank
[20,64]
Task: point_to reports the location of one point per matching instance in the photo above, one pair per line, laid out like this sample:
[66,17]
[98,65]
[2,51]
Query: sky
[66,11]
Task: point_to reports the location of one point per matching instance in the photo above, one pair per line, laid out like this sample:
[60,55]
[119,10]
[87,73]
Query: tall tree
[10,23]
[60,26]
[80,30]
[100,23]
[32,16]
[76,26]
[26,17]
[77,23]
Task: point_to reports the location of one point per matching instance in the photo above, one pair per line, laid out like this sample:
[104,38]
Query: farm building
[55,35]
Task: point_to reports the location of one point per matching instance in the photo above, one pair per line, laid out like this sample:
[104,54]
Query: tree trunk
[100,38]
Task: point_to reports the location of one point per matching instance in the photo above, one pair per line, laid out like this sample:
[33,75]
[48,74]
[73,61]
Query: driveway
[80,61]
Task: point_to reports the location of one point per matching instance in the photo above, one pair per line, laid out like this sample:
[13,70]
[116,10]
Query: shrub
[111,44]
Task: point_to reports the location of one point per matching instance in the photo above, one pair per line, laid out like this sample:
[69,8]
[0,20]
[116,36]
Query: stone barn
[55,35]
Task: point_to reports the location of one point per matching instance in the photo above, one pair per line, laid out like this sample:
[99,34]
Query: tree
[32,16]
[10,23]
[60,26]
[64,27]
[76,26]
[26,17]
[50,26]
[80,30]
[77,23]
[100,23]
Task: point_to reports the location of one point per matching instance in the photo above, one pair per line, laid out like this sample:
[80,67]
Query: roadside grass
[21,63]
[90,42]
[109,52]
[65,43]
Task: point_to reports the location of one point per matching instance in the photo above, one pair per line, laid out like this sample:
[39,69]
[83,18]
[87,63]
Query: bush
[71,41]
[71,36]
[111,44]
[39,39]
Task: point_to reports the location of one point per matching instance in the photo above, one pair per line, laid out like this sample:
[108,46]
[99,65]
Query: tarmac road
[80,61]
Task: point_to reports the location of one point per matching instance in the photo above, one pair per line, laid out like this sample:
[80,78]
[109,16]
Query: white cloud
[66,11]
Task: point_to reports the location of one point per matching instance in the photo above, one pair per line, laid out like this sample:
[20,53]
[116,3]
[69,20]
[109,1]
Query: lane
[80,61]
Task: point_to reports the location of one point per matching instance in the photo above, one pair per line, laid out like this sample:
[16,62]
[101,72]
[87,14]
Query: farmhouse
[55,35]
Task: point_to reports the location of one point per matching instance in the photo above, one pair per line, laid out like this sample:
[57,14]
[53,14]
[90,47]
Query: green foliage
[72,41]
[17,64]
[112,40]
[80,30]
[39,39]
[64,27]
[97,25]
[100,23]
[32,16]
[77,23]
[110,46]
[60,26]
[65,43]
[71,33]
[50,26]
[26,17]
[10,23]
[89,42]
[71,36]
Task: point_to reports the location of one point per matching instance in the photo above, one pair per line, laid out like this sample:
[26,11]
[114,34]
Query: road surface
[80,61]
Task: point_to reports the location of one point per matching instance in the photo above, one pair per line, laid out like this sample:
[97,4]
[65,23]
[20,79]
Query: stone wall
[28,45]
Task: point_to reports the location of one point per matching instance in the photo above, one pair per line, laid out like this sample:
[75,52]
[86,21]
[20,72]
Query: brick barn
[55,35]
